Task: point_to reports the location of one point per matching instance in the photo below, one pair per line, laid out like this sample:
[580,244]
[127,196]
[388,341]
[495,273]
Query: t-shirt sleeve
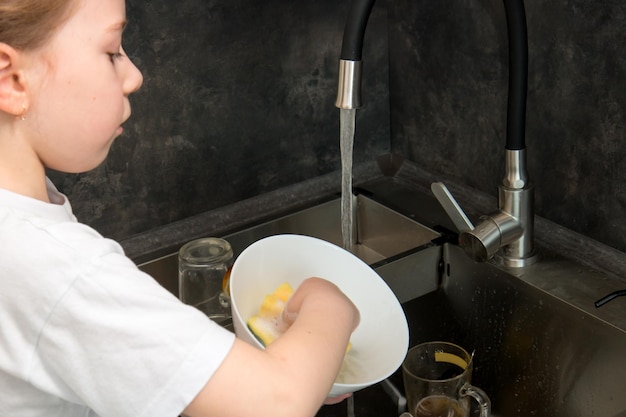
[124,346]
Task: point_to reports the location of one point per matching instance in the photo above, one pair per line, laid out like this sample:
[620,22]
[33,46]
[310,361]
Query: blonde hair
[28,24]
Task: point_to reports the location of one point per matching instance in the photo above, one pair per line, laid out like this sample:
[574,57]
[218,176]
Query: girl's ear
[13,97]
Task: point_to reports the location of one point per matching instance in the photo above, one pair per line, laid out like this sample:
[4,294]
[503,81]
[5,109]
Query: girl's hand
[313,284]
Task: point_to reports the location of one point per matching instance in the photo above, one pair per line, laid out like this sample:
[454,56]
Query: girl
[82,331]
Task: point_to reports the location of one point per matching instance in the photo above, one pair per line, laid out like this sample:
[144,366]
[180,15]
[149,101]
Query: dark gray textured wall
[238,100]
[448,94]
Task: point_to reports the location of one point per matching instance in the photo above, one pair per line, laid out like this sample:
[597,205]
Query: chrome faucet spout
[349,89]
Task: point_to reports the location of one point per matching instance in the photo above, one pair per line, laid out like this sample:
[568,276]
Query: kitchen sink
[541,348]
[535,354]
[400,249]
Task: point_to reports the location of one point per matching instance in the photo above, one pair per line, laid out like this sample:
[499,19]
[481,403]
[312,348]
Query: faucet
[506,234]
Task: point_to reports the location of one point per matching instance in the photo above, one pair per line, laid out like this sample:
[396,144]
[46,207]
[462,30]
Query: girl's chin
[89,162]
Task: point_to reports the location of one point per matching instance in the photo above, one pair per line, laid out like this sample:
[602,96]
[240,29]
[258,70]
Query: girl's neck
[21,171]
[10,182]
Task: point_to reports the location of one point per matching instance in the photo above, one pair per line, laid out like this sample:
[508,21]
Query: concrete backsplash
[238,100]
[448,93]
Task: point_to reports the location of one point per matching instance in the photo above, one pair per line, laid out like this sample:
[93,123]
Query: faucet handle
[451,207]
[483,241]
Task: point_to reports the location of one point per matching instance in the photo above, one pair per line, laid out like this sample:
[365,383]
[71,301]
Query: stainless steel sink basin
[399,248]
[536,355]
[540,347]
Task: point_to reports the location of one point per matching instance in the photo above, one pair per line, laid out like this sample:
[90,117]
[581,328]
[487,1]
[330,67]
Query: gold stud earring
[23,115]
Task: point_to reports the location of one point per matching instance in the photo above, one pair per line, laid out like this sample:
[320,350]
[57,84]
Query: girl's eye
[115,56]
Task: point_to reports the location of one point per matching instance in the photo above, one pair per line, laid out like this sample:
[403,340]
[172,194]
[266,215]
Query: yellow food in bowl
[265,325]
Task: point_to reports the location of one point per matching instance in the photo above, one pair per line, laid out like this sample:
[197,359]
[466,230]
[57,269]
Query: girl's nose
[133,79]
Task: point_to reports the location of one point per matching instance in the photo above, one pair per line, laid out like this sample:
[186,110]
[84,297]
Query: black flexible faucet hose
[518,74]
[352,50]
[354,31]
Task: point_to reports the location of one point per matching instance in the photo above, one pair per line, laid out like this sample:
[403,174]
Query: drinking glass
[203,271]
[437,381]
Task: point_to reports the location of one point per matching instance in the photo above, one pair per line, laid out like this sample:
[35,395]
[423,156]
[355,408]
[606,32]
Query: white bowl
[380,342]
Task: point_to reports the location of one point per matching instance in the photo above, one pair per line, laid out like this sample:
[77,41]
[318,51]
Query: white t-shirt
[83,332]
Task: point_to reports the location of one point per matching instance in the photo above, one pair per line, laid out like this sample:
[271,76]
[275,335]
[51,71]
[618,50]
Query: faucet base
[512,262]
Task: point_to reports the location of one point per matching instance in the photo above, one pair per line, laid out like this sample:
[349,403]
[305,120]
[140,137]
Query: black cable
[609,297]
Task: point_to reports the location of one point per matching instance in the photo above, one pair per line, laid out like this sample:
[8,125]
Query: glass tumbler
[203,273]
[437,379]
